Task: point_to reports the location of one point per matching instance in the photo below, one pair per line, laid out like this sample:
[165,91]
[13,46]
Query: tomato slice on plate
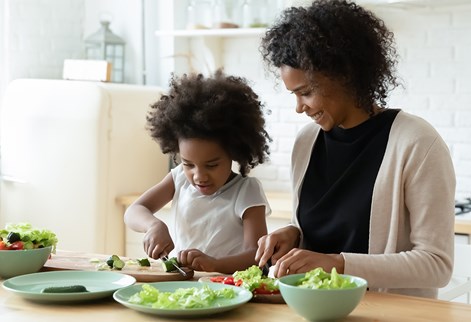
[263,290]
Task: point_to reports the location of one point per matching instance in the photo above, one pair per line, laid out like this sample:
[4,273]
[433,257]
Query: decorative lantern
[105,45]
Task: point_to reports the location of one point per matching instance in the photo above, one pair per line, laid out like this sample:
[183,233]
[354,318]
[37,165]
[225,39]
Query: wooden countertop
[463,224]
[378,307]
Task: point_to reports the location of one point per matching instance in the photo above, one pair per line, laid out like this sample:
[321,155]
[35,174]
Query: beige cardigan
[411,239]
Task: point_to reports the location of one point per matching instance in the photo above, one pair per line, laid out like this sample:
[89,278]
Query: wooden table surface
[377,307]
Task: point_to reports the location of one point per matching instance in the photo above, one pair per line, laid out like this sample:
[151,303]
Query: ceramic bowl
[25,261]
[321,304]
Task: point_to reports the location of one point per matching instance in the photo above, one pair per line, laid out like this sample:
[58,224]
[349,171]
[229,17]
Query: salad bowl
[25,261]
[322,304]
[24,249]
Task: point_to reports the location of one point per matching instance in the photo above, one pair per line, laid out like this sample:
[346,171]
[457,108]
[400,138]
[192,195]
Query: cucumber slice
[65,289]
[115,262]
[118,264]
[168,265]
[144,262]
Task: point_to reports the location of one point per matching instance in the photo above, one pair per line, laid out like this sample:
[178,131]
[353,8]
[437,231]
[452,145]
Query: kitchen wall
[433,42]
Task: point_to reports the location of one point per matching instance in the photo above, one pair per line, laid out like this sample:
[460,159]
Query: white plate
[221,305]
[99,285]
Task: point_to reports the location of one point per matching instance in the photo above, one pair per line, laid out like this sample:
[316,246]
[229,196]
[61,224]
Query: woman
[373,187]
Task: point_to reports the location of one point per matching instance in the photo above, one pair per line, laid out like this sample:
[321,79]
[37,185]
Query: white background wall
[433,42]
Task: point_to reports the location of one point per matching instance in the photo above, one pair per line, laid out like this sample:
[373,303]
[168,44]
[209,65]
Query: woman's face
[206,165]
[323,99]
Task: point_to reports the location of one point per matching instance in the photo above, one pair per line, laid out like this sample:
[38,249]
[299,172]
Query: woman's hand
[157,240]
[273,246]
[301,261]
[197,260]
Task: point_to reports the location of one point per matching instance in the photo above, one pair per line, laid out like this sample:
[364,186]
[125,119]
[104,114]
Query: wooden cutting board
[65,260]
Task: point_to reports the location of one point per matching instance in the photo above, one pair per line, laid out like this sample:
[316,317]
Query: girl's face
[206,164]
[323,99]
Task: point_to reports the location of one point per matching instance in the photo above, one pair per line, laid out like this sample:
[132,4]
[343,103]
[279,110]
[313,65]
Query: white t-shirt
[213,224]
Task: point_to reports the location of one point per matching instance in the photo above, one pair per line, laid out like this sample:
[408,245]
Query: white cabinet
[69,148]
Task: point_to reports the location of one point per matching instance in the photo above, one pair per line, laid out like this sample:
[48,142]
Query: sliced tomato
[217,279]
[229,280]
[239,283]
[18,245]
[3,246]
[263,290]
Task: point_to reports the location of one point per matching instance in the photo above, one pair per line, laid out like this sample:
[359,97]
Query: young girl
[219,215]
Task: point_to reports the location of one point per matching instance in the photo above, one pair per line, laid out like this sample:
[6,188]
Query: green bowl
[321,304]
[20,262]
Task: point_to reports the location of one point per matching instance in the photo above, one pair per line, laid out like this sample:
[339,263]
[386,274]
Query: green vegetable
[144,262]
[319,279]
[65,289]
[31,237]
[252,278]
[168,265]
[182,298]
[115,262]
[118,264]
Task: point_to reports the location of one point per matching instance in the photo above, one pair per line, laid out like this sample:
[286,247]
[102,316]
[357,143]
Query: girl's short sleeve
[251,194]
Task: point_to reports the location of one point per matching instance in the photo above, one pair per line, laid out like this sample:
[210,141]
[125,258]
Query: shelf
[225,32]
[412,3]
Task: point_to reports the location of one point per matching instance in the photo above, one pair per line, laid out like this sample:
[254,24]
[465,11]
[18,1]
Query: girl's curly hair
[340,40]
[219,108]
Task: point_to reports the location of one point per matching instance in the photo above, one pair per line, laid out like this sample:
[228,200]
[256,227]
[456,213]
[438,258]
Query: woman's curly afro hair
[340,40]
[220,108]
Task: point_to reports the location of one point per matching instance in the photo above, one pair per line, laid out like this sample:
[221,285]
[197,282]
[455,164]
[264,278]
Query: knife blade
[182,272]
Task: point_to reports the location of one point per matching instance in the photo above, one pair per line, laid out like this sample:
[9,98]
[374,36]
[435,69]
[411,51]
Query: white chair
[460,285]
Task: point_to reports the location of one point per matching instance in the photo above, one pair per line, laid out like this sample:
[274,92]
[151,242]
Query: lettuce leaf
[181,298]
[30,236]
[319,279]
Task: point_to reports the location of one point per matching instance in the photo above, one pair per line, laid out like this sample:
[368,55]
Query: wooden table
[377,307]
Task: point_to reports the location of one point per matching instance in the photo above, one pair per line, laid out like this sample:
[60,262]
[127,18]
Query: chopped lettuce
[252,278]
[319,279]
[31,237]
[181,298]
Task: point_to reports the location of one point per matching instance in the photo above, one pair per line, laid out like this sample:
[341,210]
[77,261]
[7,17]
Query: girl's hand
[301,261]
[197,260]
[157,240]
[273,246]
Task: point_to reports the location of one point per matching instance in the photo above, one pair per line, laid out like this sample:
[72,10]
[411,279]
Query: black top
[335,200]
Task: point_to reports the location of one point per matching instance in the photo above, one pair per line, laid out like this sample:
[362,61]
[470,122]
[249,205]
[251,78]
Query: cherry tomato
[18,245]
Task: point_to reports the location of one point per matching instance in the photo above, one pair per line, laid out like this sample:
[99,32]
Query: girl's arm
[139,216]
